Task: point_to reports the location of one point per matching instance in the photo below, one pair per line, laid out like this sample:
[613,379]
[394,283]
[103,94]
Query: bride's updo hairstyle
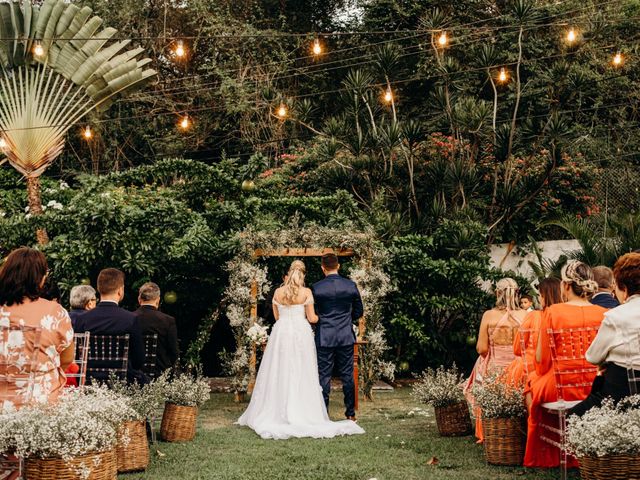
[507,294]
[580,277]
[295,281]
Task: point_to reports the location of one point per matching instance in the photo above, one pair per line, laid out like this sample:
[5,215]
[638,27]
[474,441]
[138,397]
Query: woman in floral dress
[22,278]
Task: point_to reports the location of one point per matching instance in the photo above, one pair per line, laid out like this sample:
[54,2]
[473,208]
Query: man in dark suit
[338,305]
[82,299]
[152,321]
[109,319]
[605,296]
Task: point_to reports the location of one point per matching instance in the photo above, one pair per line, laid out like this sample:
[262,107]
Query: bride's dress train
[287,399]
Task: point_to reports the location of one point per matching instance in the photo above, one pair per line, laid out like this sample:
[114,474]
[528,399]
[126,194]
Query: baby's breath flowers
[498,399]
[439,388]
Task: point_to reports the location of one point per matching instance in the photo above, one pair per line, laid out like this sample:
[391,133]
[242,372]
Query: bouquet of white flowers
[440,388]
[606,430]
[499,399]
[258,334]
[184,389]
[145,400]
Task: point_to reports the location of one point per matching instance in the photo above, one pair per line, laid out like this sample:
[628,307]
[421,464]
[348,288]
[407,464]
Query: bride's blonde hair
[295,281]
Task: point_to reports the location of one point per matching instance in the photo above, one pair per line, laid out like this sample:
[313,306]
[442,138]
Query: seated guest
[526,303]
[82,299]
[22,279]
[616,348]
[495,339]
[51,291]
[151,321]
[577,312]
[522,370]
[606,287]
[109,319]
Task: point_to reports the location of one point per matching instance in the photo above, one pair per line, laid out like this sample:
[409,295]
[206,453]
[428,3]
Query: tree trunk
[35,206]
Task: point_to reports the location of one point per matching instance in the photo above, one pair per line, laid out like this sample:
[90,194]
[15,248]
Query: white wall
[505,259]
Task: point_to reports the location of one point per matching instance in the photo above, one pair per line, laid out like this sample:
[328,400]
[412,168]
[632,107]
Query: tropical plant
[57,67]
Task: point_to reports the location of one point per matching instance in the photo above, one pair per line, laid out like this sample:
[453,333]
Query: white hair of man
[149,292]
[81,295]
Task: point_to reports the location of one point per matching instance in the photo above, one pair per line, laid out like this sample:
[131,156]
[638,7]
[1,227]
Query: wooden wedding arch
[302,252]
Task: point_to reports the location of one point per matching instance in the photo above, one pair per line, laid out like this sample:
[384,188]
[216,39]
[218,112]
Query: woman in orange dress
[577,312]
[521,371]
[22,278]
[495,340]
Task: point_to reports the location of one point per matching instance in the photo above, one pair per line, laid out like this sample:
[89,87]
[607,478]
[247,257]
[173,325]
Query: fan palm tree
[58,63]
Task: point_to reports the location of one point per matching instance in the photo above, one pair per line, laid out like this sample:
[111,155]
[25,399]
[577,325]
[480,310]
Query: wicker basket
[504,440]
[453,420]
[102,465]
[611,467]
[132,450]
[178,423]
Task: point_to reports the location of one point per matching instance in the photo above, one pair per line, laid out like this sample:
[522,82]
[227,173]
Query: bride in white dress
[287,399]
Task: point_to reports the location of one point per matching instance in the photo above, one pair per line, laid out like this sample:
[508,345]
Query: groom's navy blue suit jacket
[338,304]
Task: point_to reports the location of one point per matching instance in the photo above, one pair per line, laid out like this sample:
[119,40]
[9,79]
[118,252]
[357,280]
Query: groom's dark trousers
[338,304]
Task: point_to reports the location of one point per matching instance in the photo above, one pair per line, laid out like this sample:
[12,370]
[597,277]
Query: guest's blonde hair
[507,294]
[580,277]
[295,281]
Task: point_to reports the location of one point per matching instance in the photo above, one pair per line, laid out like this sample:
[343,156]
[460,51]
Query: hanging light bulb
[38,50]
[282,111]
[180,51]
[388,95]
[618,60]
[87,133]
[503,76]
[317,47]
[185,123]
[3,144]
[443,39]
[572,36]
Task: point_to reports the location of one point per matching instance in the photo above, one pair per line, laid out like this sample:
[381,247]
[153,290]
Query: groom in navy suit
[338,305]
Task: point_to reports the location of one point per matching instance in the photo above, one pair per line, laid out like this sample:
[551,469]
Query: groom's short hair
[330,261]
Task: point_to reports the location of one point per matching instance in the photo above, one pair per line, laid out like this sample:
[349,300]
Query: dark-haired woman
[22,279]
[576,287]
[616,348]
[522,370]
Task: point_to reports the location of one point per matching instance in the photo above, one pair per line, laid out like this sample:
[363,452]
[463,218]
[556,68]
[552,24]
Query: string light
[388,95]
[317,47]
[618,60]
[185,123]
[503,76]
[87,133]
[443,39]
[38,50]
[282,111]
[180,51]
[3,144]
[572,36]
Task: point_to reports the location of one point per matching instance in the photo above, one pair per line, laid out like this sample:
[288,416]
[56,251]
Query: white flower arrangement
[100,402]
[144,400]
[440,387]
[184,389]
[606,430]
[45,431]
[499,399]
[258,334]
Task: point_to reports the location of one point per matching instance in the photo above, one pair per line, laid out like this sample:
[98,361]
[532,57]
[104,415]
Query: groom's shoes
[352,418]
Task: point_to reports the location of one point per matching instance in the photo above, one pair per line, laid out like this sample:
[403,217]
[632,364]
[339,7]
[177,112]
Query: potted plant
[503,420]
[132,449]
[70,440]
[183,394]
[605,440]
[442,389]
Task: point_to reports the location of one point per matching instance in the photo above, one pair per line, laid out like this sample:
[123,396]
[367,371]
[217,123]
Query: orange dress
[56,336]
[518,372]
[543,388]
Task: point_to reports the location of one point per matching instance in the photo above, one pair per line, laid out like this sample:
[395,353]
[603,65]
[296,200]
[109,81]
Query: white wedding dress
[287,399]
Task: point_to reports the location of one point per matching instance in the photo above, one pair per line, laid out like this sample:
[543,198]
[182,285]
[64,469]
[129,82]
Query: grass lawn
[396,446]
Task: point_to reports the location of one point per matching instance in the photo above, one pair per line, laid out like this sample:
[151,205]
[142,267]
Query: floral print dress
[16,350]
